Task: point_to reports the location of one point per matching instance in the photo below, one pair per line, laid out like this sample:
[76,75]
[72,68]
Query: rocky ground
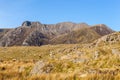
[61,62]
[96,60]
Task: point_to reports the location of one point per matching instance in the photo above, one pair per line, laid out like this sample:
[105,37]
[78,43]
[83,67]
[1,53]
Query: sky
[14,12]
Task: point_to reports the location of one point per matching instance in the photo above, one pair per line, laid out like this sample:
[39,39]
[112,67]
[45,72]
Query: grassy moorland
[62,62]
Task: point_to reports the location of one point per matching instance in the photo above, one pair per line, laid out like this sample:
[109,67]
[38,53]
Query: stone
[96,55]
[41,68]
[21,69]
[116,51]
[37,69]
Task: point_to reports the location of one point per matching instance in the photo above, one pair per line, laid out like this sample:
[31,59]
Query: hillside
[102,29]
[37,34]
[113,38]
[63,61]
[3,32]
[85,35]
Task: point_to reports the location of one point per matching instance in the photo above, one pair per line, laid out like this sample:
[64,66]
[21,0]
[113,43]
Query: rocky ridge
[37,34]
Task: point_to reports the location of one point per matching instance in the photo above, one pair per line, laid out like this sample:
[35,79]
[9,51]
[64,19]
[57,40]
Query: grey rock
[116,51]
[96,55]
[37,69]
[41,68]
[79,60]
[108,39]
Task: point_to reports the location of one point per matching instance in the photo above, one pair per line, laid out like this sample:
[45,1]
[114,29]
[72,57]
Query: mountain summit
[37,34]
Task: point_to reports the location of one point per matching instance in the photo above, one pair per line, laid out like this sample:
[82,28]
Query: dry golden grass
[71,62]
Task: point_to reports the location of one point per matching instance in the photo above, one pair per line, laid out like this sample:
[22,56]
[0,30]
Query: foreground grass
[58,76]
[70,62]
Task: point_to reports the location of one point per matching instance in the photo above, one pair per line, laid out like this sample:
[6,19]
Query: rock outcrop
[41,68]
[102,29]
[108,39]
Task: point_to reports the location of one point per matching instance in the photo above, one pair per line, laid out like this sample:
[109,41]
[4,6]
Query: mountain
[3,31]
[37,34]
[102,29]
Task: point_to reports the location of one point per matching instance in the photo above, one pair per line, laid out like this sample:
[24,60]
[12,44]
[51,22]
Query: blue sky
[14,12]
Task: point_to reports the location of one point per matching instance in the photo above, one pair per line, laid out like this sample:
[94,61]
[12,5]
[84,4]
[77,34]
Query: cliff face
[37,34]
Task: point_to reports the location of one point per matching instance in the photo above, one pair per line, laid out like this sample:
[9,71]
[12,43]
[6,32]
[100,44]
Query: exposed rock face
[13,37]
[26,23]
[3,31]
[35,39]
[102,29]
[37,34]
[108,39]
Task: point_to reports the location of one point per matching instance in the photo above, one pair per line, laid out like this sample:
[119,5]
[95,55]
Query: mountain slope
[37,34]
[3,31]
[102,29]
[85,35]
